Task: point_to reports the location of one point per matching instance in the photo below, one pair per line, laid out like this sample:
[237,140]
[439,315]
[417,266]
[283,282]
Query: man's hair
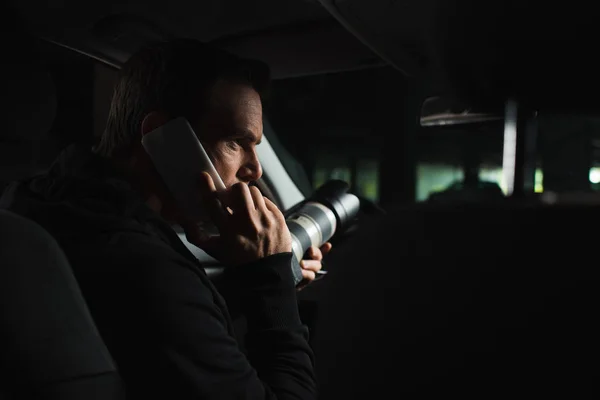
[174,77]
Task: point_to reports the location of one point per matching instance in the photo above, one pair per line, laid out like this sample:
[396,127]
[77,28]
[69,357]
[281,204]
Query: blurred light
[539,181]
[595,175]
[509,150]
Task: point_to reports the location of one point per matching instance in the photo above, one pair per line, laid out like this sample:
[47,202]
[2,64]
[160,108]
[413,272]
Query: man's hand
[251,227]
[313,264]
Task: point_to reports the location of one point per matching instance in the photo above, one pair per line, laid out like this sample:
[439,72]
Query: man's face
[231,130]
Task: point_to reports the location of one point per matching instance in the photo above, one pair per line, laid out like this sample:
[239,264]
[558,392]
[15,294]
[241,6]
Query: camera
[330,210]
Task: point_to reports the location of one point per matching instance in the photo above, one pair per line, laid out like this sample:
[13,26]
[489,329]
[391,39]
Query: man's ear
[152,121]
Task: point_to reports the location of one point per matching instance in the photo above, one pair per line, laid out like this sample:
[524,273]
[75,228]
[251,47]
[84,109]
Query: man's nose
[251,170]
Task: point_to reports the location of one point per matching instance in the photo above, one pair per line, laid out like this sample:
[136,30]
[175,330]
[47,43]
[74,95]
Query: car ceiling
[295,37]
[419,37]
[341,33]
[396,29]
[206,20]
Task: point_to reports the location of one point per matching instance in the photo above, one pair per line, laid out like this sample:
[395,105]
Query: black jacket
[164,322]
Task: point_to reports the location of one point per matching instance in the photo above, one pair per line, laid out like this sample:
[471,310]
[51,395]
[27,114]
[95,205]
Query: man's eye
[234,144]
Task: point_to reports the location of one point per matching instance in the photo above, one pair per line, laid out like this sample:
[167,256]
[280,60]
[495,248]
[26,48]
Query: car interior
[469,132]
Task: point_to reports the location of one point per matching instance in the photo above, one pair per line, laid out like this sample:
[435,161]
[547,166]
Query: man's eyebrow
[247,134]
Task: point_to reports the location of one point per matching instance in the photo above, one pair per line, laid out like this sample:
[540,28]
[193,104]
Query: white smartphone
[180,158]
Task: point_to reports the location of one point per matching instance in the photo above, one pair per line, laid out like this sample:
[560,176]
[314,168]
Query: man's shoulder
[130,248]
[125,264]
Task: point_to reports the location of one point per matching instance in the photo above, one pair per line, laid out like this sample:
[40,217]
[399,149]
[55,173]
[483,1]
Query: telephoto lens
[313,222]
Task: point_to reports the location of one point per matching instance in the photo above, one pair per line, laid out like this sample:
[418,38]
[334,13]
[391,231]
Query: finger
[210,200]
[274,209]
[240,200]
[206,183]
[326,248]
[314,253]
[270,205]
[258,198]
[311,265]
[308,275]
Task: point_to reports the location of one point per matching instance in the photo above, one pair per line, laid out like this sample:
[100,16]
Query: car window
[564,156]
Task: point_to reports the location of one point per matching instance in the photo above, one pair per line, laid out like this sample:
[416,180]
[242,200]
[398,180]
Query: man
[166,325]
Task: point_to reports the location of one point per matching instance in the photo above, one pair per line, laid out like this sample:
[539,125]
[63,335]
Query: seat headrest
[28,95]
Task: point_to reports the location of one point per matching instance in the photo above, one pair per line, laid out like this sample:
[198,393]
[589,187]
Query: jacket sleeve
[172,338]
